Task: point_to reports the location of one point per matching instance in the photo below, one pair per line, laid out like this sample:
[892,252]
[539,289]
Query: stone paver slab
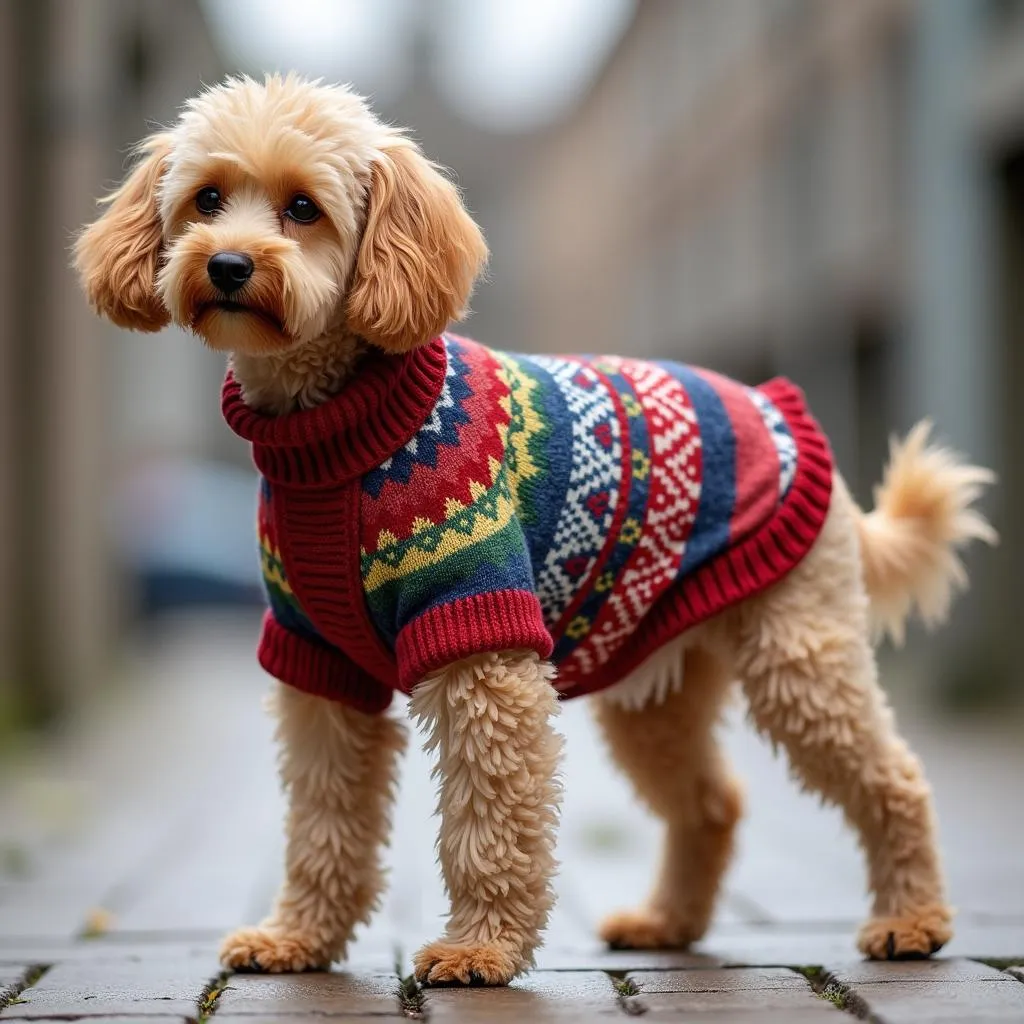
[158,987]
[951,970]
[119,1019]
[734,979]
[539,997]
[732,992]
[319,992]
[924,1003]
[823,1013]
[996,998]
[758,1005]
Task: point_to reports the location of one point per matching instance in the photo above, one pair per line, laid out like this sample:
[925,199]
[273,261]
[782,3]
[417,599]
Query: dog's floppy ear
[116,256]
[420,253]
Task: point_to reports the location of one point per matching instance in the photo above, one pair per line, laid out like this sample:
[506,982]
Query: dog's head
[274,212]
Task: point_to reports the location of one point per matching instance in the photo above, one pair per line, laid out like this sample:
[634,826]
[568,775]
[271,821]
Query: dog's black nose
[229,271]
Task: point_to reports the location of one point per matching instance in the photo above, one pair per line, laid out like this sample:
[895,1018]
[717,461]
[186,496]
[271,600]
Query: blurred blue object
[184,531]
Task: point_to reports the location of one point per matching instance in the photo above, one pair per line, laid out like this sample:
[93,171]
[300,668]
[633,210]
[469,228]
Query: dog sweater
[458,500]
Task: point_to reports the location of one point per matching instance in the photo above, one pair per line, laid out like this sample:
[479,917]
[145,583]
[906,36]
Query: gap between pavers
[15,979]
[11,980]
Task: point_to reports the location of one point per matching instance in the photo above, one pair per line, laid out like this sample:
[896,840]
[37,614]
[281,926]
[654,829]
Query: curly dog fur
[390,266]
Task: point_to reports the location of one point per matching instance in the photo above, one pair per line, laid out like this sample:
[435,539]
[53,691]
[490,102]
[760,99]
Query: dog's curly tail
[923,515]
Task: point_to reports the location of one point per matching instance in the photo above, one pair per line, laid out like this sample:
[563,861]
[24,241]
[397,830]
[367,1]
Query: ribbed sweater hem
[318,670]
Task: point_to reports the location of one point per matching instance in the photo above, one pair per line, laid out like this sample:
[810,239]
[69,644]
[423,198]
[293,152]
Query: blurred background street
[824,189]
[828,190]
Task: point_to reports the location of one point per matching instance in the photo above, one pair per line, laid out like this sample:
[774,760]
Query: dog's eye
[302,209]
[208,200]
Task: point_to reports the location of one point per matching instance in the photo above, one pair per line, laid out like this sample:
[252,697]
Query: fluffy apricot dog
[489,532]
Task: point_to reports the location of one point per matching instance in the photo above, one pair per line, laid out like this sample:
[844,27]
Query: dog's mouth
[231,326]
[227,306]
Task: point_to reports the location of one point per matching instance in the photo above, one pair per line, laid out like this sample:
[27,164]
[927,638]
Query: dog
[490,533]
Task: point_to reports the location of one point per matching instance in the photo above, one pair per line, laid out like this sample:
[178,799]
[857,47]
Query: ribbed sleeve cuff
[499,621]
[318,670]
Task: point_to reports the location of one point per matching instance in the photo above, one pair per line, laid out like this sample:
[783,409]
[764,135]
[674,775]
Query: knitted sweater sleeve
[466,590]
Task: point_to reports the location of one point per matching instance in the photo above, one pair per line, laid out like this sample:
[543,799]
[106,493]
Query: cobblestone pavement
[154,825]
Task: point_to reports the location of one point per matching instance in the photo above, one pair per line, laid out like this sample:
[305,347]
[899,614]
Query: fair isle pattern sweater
[459,500]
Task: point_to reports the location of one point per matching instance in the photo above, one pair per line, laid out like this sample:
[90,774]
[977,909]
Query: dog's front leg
[338,768]
[490,719]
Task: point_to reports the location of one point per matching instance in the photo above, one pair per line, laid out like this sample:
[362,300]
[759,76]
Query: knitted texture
[459,500]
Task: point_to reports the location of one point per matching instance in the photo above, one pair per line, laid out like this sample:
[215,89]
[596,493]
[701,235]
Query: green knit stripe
[528,434]
[487,561]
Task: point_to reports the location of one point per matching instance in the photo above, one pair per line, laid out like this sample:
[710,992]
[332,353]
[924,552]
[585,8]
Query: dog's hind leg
[809,672]
[669,751]
[490,719]
[338,767]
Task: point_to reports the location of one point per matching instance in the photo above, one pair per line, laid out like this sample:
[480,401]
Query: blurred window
[1002,13]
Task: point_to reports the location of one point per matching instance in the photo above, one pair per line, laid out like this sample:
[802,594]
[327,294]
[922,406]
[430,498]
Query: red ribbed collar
[377,412]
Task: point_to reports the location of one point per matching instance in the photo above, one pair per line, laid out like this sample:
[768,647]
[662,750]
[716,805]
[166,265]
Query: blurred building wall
[78,80]
[816,188]
[7,388]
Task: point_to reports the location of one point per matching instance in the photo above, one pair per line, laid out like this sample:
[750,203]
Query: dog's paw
[647,929]
[451,963]
[913,936]
[268,949]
